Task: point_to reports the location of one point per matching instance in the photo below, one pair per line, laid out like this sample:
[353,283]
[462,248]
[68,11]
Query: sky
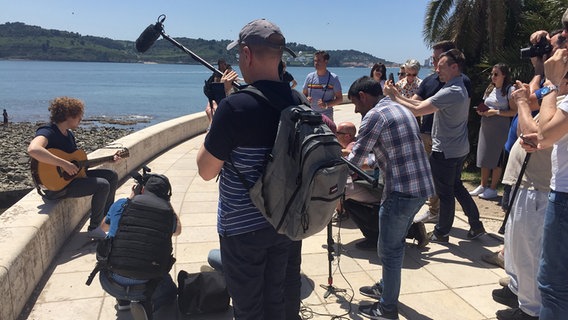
[387,29]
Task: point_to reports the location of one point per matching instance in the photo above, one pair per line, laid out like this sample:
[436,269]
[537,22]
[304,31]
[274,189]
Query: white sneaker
[489,194]
[425,217]
[477,191]
[97,233]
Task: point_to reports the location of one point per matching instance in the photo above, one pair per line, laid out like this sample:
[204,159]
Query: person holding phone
[496,112]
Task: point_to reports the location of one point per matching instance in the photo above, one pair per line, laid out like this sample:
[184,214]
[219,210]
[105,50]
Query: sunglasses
[411,74]
[495,74]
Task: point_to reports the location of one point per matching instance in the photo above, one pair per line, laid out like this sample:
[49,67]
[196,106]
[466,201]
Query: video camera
[538,49]
[140,179]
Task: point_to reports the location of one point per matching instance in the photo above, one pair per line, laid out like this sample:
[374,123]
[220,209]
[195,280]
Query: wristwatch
[540,93]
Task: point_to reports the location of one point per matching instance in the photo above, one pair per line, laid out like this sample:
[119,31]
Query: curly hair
[62,108]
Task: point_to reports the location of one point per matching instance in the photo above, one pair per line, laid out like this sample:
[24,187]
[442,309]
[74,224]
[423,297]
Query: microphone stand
[330,289]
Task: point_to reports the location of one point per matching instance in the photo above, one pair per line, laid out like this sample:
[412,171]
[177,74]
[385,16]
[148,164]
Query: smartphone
[527,141]
[391,78]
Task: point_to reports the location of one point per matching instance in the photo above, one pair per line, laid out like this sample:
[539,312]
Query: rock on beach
[14,161]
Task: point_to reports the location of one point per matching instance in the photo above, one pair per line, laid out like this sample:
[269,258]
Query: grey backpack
[304,177]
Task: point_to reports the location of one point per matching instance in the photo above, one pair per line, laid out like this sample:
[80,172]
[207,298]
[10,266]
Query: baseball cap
[159,185]
[262,32]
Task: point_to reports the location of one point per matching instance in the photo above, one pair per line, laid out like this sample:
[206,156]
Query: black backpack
[142,246]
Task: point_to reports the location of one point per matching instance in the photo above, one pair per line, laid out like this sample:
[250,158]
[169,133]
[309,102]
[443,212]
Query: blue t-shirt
[56,139]
[324,88]
[243,133]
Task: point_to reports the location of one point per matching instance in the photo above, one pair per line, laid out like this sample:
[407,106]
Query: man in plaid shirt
[391,132]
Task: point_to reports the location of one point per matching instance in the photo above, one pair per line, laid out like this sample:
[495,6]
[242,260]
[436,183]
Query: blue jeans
[395,217]
[166,290]
[553,269]
[449,187]
[255,266]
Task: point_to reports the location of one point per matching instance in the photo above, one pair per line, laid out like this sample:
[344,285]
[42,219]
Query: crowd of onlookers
[413,138]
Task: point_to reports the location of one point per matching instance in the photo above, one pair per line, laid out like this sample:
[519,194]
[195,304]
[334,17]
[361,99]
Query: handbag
[202,292]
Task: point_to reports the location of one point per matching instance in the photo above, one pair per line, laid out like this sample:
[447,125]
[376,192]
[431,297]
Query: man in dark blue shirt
[255,257]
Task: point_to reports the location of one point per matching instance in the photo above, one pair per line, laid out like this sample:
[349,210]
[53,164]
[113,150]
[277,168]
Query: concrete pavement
[439,282]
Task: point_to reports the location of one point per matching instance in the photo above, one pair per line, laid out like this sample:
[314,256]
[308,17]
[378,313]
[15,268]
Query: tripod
[330,289]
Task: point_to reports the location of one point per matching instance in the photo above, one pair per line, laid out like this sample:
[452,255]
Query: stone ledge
[33,230]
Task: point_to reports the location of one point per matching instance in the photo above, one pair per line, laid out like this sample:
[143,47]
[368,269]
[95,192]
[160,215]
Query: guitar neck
[96,162]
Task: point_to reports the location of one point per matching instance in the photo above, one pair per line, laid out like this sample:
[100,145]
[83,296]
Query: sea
[137,94]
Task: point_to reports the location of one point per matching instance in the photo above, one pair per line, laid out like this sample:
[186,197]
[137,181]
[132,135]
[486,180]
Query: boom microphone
[153,32]
[150,35]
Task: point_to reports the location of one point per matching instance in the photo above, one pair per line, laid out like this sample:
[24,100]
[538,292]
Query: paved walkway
[440,282]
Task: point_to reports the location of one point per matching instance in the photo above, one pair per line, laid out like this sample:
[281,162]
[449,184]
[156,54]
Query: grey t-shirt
[449,130]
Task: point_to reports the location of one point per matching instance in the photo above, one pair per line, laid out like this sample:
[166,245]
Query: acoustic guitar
[54,178]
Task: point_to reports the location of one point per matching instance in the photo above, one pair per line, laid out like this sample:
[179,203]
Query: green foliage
[21,41]
[489,32]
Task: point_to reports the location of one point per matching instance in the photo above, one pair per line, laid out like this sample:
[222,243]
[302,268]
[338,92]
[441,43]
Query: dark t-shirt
[428,87]
[287,77]
[55,139]
[242,134]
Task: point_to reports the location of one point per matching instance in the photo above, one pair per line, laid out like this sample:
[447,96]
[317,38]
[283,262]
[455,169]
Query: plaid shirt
[391,132]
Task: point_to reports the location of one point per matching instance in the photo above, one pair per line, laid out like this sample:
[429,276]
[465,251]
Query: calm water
[156,92]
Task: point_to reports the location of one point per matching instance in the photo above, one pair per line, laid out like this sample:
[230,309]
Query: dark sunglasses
[411,74]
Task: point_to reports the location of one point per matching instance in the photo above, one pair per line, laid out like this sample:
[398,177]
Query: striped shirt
[391,132]
[242,134]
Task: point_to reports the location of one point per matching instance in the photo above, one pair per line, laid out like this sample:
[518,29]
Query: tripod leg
[330,289]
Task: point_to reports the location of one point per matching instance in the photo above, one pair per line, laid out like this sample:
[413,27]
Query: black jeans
[255,265]
[102,184]
[449,187]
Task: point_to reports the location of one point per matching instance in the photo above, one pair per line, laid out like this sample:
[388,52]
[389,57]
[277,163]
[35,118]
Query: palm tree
[488,32]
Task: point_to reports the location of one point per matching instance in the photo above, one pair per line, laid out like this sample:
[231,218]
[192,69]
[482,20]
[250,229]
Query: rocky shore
[15,177]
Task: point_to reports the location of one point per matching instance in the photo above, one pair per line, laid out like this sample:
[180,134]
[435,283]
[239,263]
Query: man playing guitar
[65,115]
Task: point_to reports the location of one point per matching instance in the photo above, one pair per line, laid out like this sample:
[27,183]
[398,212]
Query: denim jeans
[449,187]
[553,270]
[255,266]
[395,217]
[166,290]
[102,184]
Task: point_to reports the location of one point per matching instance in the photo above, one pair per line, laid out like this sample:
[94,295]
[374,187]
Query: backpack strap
[256,93]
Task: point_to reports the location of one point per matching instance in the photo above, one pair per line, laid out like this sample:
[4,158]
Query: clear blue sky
[386,29]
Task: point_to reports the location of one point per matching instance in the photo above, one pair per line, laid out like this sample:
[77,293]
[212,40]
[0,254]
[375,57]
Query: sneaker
[376,311]
[97,233]
[489,194]
[137,311]
[426,217]
[477,191]
[506,297]
[122,305]
[421,235]
[494,258]
[514,314]
[475,233]
[432,236]
[367,245]
[504,282]
[375,291]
